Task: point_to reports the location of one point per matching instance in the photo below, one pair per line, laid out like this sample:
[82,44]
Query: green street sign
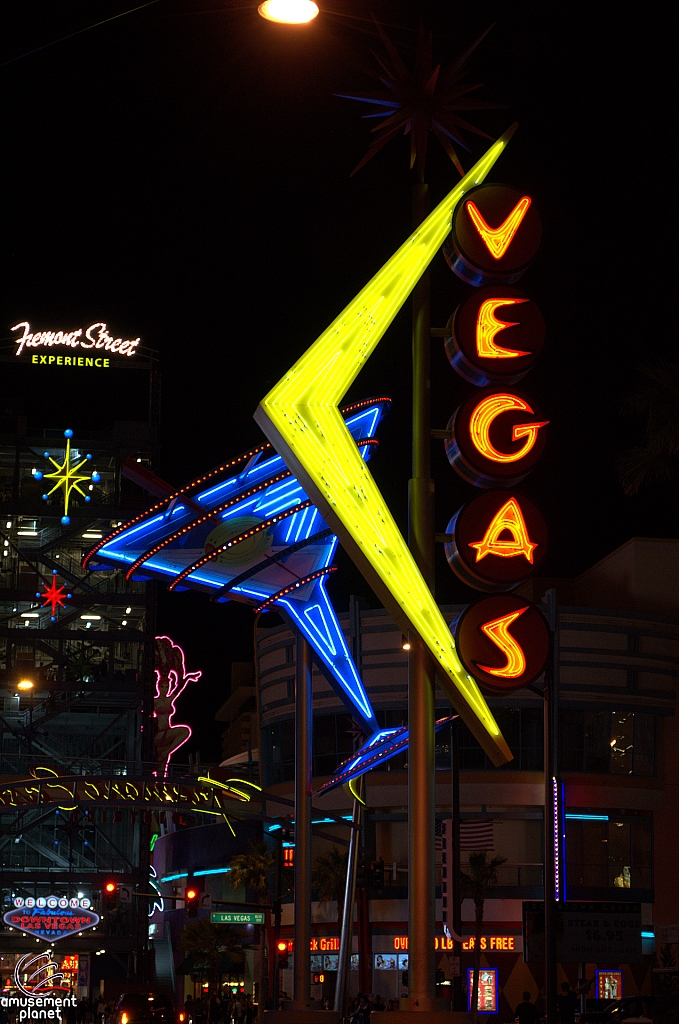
[218,917]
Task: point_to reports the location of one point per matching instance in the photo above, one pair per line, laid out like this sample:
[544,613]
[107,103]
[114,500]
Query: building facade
[618,637]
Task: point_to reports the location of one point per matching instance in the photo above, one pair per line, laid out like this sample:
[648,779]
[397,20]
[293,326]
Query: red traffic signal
[110,887]
[191,894]
[192,900]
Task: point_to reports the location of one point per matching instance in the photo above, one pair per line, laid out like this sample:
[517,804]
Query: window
[523,730]
[612,854]
[332,744]
[606,742]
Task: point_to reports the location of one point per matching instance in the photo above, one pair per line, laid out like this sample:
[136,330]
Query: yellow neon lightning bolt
[300,416]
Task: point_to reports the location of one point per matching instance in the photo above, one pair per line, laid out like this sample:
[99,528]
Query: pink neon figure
[171,681]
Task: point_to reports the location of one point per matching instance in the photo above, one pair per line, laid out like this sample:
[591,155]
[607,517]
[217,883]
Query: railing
[20,765]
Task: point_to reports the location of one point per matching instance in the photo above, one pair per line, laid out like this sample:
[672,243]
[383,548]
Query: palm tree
[657,401]
[481,876]
[329,877]
[252,870]
[209,942]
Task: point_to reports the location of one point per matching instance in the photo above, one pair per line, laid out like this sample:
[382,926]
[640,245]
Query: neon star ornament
[301,418]
[68,477]
[54,596]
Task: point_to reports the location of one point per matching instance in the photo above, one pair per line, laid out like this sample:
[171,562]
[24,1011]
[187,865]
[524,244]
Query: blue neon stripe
[171,878]
[211,871]
[588,817]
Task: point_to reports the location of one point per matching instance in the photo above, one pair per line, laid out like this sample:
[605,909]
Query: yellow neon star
[300,416]
[68,478]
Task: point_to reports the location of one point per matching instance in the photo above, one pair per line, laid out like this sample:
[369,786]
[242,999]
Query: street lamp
[25,685]
[289,12]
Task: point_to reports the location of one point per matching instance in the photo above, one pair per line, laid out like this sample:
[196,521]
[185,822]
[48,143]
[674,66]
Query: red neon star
[54,595]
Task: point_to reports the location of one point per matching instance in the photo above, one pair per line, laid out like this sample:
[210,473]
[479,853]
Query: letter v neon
[498,240]
[300,416]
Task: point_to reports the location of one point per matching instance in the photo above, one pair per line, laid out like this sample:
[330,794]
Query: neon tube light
[509,518]
[488,326]
[497,240]
[300,415]
[173,878]
[212,871]
[498,632]
[485,414]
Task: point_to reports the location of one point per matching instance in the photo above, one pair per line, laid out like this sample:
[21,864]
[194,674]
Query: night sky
[182,173]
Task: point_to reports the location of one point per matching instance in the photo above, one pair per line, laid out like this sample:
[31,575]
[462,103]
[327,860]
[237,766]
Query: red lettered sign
[503,641]
[495,336]
[498,540]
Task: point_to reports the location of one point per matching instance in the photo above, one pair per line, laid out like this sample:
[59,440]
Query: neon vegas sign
[95,337]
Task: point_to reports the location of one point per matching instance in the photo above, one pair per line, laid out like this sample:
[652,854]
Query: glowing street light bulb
[25,684]
[289,12]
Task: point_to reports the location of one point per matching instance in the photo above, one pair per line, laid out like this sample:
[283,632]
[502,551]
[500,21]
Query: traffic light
[110,895]
[282,950]
[404,979]
[318,979]
[376,876]
[440,977]
[192,900]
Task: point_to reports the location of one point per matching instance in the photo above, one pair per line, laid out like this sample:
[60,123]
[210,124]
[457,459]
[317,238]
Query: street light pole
[421,710]
[303,755]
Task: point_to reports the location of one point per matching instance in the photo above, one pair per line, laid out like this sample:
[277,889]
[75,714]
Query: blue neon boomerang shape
[382,746]
[253,537]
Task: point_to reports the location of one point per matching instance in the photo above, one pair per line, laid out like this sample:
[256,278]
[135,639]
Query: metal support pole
[277,915]
[421,712]
[455,858]
[347,924]
[550,851]
[303,750]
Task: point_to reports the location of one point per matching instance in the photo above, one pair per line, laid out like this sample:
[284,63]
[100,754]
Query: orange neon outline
[498,631]
[483,417]
[488,326]
[509,517]
[497,240]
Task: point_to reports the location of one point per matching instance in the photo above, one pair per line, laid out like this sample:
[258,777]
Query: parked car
[631,1008]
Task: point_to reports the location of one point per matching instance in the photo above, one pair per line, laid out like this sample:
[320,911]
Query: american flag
[476,835]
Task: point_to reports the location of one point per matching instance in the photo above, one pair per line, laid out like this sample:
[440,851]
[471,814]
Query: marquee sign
[504,642]
[495,234]
[94,345]
[495,336]
[499,539]
[51,917]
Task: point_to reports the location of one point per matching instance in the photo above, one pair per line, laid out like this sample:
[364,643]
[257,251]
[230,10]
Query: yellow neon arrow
[300,416]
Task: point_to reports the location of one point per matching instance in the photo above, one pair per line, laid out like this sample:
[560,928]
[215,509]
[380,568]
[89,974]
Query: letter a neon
[498,240]
[509,518]
[498,632]
[487,326]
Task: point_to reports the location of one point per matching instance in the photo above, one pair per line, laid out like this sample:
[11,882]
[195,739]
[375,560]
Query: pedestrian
[567,1002]
[526,1012]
